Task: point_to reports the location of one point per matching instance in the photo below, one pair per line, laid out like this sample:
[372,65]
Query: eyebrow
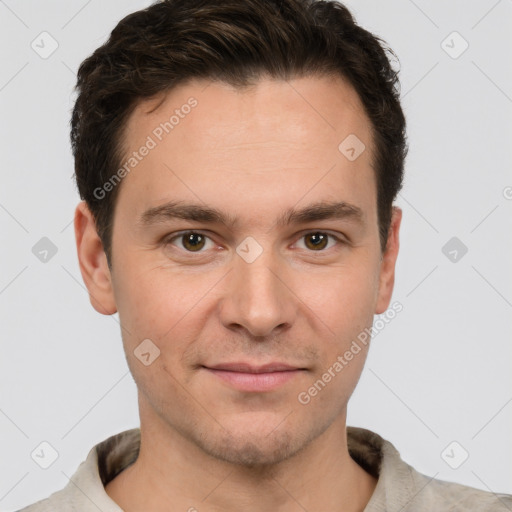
[322,210]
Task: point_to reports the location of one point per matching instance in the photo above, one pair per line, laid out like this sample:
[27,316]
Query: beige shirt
[400,488]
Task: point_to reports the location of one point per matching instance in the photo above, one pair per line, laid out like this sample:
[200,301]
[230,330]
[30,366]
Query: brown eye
[318,240]
[189,241]
[193,242]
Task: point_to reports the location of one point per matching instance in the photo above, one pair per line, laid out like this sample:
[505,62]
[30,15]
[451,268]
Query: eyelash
[169,239]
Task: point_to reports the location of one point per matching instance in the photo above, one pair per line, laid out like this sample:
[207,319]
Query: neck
[172,473]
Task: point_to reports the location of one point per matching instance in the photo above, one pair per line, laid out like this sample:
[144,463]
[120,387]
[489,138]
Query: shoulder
[450,496]
[85,490]
[57,501]
[401,487]
[425,493]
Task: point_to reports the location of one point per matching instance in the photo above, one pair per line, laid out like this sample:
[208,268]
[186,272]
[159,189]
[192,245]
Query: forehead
[226,146]
[267,109]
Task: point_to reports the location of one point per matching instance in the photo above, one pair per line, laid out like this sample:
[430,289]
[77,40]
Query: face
[261,275]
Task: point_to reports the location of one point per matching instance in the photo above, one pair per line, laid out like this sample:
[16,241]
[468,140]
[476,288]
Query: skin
[252,153]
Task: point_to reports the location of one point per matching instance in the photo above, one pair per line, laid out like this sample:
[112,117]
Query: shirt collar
[373,453]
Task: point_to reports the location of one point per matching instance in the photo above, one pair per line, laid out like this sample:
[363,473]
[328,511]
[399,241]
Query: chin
[255,444]
[252,451]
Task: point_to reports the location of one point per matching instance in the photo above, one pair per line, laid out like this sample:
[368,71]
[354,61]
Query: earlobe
[387,267]
[93,262]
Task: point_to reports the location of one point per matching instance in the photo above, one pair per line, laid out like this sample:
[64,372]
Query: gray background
[438,373]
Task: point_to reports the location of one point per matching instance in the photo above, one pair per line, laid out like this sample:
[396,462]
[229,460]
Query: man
[238,163]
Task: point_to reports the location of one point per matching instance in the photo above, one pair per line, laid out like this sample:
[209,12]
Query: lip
[243,367]
[251,378]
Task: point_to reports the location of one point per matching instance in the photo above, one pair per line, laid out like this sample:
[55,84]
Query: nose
[258,296]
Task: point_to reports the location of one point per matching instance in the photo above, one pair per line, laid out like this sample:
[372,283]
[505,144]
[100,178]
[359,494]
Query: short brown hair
[235,41]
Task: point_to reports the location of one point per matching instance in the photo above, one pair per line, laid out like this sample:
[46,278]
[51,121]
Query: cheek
[166,307]
[343,298]
[154,299]
[334,379]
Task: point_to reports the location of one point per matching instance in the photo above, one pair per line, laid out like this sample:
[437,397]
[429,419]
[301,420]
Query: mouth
[252,378]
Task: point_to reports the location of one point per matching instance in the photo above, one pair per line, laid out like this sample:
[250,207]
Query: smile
[255,381]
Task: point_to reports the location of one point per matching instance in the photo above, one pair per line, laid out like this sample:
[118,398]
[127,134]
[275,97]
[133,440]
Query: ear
[387,266]
[93,262]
